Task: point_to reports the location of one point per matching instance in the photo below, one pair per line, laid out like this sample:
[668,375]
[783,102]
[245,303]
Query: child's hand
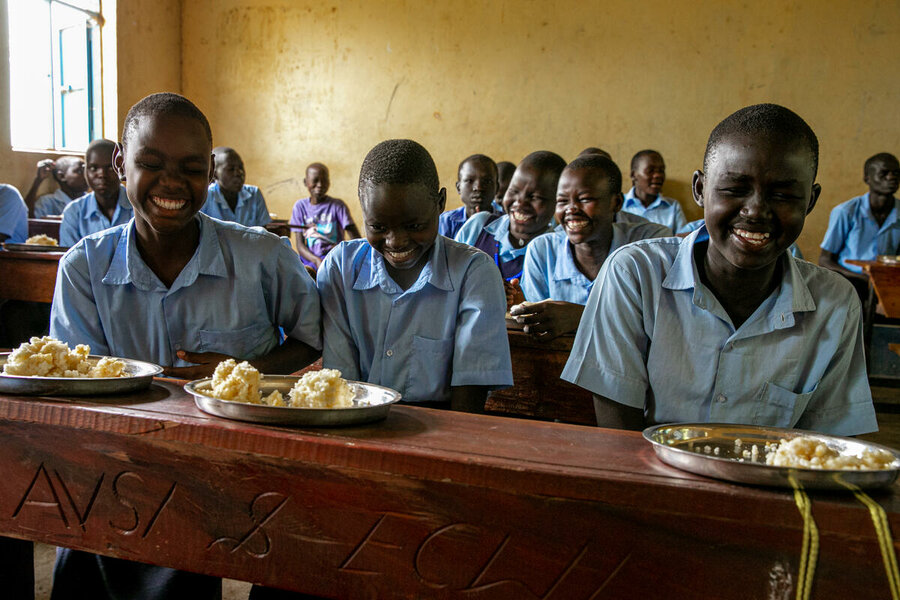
[206,363]
[514,293]
[45,168]
[548,319]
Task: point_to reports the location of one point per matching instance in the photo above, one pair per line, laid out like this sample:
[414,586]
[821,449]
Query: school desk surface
[885,279]
[426,504]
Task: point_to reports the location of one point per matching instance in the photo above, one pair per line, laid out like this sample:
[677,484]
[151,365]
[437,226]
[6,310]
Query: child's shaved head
[881,157]
[765,120]
[402,162]
[165,103]
[601,163]
[544,160]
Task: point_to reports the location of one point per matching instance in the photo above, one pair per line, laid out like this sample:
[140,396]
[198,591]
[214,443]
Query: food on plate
[42,239]
[239,382]
[810,453]
[49,357]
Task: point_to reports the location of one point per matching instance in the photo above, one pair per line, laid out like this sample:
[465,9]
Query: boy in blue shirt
[561,267]
[406,307]
[476,183]
[105,206]
[228,198]
[725,325]
[206,290]
[865,226]
[648,174]
[68,171]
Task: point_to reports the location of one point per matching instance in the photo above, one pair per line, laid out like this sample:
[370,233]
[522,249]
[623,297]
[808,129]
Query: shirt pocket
[239,343]
[780,407]
[429,369]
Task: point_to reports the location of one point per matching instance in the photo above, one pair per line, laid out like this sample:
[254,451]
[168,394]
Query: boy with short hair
[505,170]
[476,183]
[866,226]
[68,171]
[406,307]
[724,325]
[205,290]
[105,206]
[229,198]
[648,174]
[561,267]
[322,220]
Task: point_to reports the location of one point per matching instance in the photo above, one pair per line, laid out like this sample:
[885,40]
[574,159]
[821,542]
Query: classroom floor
[887,404]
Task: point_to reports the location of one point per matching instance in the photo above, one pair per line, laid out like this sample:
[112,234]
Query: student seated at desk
[406,307]
[325,220]
[68,171]
[105,206]
[505,170]
[179,289]
[865,226]
[476,183]
[725,325]
[13,215]
[561,267]
[229,198]
[595,150]
[648,174]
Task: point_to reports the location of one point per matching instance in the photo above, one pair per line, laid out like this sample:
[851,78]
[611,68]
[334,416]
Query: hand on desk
[206,363]
[548,319]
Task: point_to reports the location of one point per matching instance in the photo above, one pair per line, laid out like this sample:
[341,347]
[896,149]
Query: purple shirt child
[330,217]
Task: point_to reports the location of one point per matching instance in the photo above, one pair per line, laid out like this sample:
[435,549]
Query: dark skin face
[648,178]
[401,223]
[72,179]
[477,186]
[585,207]
[317,181]
[102,178]
[529,202]
[882,177]
[756,194]
[230,173]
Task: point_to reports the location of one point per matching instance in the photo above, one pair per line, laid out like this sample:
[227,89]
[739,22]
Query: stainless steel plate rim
[13,247]
[142,372]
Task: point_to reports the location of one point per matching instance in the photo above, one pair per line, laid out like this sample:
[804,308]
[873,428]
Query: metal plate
[370,403]
[33,248]
[683,445]
[889,259]
[140,374]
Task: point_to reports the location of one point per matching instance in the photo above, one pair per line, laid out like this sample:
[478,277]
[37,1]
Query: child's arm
[74,317]
[339,350]
[548,319]
[304,251]
[468,398]
[612,415]
[44,170]
[287,358]
[829,260]
[262,216]
[835,240]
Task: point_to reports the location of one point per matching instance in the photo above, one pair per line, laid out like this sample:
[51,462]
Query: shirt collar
[219,197]
[499,228]
[632,201]
[890,220]
[127,266]
[436,272]
[93,209]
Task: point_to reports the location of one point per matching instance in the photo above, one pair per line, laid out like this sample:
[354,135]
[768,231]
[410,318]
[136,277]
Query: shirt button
[390,352]
[721,398]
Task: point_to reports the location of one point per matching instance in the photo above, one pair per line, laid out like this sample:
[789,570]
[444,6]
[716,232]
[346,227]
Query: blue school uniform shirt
[498,229]
[854,234]
[51,204]
[550,270]
[654,337]
[83,217]
[665,211]
[13,215]
[250,209]
[448,329]
[450,221]
[240,286]
[794,249]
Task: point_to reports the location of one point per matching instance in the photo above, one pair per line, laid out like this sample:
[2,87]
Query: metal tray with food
[33,248]
[139,375]
[726,451]
[370,403]
[889,259]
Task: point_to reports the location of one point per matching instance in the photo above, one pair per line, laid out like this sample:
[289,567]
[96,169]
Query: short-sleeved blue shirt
[51,204]
[550,270]
[854,234]
[654,337]
[450,221]
[13,215]
[498,229]
[250,210]
[83,217]
[239,288]
[448,329]
[665,211]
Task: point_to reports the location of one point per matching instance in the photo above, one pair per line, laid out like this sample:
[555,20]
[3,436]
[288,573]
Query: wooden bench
[29,276]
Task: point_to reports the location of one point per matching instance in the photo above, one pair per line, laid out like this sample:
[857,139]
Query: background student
[648,174]
[505,170]
[229,198]
[68,171]
[476,183]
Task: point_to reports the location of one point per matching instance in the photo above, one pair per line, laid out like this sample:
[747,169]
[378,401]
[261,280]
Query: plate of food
[319,398]
[36,243]
[889,259]
[47,367]
[774,456]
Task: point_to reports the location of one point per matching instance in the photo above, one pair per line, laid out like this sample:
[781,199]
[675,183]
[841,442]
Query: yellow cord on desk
[885,542]
[809,552]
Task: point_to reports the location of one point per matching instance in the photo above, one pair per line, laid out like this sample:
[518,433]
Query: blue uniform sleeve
[609,356]
[535,282]
[13,215]
[294,299]
[481,345]
[679,221]
[471,229]
[339,350]
[262,217]
[836,234]
[43,206]
[74,317]
[445,227]
[68,228]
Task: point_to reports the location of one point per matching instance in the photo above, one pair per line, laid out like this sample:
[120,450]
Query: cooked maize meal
[239,382]
[48,357]
[810,453]
[42,239]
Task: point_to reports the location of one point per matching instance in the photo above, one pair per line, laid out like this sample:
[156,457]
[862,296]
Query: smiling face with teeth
[585,207]
[756,193]
[529,201]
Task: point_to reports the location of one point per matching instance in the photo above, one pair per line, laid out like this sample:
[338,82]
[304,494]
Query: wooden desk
[46,226]
[885,279]
[29,276]
[427,504]
[538,391]
[279,227]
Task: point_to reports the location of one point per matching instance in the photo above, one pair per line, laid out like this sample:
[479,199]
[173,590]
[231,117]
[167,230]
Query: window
[54,67]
